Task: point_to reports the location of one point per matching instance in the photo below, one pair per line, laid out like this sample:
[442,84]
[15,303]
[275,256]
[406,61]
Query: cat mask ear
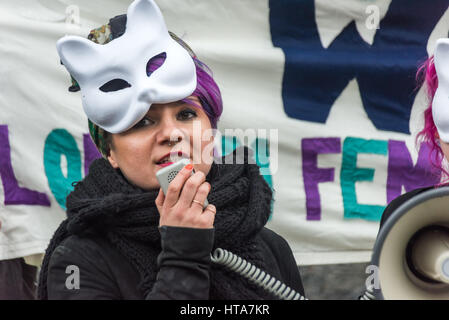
[440,103]
[115,87]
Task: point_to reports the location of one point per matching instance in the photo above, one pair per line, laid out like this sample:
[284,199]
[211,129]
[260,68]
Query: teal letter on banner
[262,154]
[228,144]
[350,174]
[60,142]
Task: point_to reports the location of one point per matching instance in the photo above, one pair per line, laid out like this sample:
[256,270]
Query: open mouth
[172,157]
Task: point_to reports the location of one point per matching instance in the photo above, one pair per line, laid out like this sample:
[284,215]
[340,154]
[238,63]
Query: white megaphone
[412,249]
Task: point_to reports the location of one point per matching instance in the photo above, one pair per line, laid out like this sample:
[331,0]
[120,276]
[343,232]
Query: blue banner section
[314,77]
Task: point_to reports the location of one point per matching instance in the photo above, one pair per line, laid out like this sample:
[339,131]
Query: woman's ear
[111,159]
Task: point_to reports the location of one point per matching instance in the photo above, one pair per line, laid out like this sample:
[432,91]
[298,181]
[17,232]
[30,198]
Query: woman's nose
[169,132]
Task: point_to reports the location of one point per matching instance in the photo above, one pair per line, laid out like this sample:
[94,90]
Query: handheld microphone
[167,174]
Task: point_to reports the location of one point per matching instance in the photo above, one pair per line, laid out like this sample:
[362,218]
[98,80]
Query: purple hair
[206,91]
[428,76]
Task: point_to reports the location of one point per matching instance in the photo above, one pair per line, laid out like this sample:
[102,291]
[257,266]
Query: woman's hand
[177,207]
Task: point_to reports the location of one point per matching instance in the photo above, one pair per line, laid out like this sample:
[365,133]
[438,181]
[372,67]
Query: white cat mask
[440,103]
[116,90]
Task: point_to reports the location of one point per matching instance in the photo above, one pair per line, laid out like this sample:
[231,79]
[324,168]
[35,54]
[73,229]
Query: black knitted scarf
[105,203]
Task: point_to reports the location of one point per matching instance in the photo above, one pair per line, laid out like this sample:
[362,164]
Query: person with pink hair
[432,75]
[435,115]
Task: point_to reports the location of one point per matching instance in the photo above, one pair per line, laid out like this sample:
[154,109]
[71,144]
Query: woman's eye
[144,122]
[187,114]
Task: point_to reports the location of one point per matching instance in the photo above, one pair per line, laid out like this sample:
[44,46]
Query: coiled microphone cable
[254,274]
[368,294]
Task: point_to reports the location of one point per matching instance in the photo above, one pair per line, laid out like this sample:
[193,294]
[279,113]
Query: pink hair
[427,75]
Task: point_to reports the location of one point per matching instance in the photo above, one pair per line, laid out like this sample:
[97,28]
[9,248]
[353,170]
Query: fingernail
[189,166]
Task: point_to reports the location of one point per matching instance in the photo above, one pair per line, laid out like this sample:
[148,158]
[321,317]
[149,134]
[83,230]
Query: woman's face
[167,133]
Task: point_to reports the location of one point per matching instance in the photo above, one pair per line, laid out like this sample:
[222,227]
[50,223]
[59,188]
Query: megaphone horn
[412,249]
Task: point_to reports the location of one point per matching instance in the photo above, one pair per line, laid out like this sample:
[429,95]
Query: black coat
[183,267]
[112,240]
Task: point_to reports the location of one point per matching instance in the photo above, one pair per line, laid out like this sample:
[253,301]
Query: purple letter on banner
[314,175]
[90,152]
[13,193]
[401,171]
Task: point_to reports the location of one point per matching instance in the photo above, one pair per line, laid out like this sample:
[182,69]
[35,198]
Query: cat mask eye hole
[115,85]
[151,65]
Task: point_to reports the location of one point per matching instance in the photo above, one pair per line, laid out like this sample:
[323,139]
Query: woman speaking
[145,94]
